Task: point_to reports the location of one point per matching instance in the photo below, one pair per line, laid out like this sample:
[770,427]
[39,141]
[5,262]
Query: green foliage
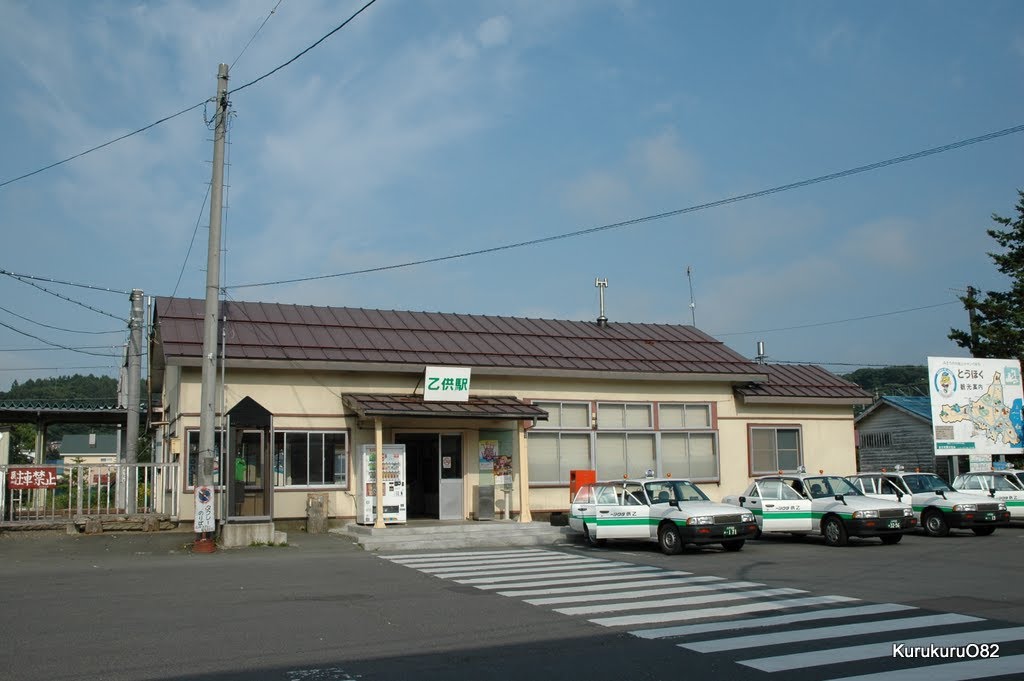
[77,387]
[997,318]
[897,380]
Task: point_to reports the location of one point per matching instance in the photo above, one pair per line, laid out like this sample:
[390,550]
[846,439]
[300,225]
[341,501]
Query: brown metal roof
[297,333]
[413,405]
[802,383]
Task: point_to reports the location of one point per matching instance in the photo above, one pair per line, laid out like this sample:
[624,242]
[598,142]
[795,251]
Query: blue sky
[425,129]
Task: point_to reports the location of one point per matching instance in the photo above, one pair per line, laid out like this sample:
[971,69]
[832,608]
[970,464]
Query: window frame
[322,432]
[775,428]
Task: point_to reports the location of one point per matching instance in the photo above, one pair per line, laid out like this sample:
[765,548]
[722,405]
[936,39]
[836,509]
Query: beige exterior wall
[308,401]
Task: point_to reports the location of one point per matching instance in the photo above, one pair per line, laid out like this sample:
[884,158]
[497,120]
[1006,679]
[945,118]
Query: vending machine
[394,484]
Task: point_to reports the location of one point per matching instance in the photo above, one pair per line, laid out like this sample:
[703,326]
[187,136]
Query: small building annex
[303,388]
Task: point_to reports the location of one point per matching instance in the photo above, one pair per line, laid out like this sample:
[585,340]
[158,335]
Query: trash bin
[316,513]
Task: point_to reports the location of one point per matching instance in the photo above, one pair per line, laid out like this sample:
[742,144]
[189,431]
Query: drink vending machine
[394,484]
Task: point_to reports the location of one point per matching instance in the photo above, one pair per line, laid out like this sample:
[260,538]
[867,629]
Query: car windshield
[830,485]
[926,482]
[664,491]
[1002,483]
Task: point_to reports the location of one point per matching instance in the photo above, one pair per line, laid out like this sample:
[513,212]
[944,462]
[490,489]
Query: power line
[265,20]
[104,366]
[55,328]
[300,54]
[660,216]
[191,108]
[837,321]
[191,243]
[105,289]
[55,345]
[57,295]
[100,146]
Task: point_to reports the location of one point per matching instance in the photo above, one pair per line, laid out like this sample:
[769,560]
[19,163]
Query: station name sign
[446,384]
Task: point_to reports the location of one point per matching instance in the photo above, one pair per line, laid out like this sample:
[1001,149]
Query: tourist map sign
[976,405]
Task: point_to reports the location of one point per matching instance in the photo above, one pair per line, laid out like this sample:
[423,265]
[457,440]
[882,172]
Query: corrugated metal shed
[802,383]
[919,407]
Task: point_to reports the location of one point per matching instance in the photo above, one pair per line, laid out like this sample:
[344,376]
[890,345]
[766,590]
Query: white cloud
[664,162]
[495,31]
[888,242]
[597,194]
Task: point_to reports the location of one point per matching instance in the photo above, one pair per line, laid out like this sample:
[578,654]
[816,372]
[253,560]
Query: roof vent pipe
[601,285]
[760,352]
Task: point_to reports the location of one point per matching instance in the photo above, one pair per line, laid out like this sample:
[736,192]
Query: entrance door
[433,465]
[247,472]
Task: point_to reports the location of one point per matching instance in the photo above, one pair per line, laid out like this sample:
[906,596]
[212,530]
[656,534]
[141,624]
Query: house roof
[918,407]
[413,405]
[272,335]
[802,383]
[275,332]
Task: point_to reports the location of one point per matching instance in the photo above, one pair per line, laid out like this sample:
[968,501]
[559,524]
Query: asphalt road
[134,606]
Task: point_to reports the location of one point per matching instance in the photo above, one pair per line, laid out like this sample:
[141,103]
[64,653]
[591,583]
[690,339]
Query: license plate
[894,524]
[730,532]
[990,516]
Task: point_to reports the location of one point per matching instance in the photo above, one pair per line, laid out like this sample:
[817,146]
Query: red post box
[579,478]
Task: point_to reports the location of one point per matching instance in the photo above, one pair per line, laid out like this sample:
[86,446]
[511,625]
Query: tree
[894,380]
[997,319]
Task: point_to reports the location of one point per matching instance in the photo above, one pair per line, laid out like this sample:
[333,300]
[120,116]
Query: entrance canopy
[413,405]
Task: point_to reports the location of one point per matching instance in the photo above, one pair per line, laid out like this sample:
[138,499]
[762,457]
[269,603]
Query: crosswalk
[756,625]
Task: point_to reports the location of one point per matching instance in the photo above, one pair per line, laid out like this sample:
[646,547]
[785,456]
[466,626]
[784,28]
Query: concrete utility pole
[208,393]
[131,450]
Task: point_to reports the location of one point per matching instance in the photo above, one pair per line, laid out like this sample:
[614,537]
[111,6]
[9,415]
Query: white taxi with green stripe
[937,506]
[670,511]
[1005,486]
[831,505]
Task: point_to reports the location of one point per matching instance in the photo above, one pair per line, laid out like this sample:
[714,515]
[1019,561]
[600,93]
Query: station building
[302,389]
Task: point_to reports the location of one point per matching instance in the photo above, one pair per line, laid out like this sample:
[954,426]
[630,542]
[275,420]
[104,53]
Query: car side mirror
[992,492]
[840,497]
[674,503]
[899,495]
[743,500]
[941,493]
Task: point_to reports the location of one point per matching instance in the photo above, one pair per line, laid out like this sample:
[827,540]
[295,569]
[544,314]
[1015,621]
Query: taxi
[829,505]
[673,512]
[1003,486]
[937,506]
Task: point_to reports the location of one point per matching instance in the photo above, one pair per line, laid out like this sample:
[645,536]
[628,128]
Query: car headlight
[747,518]
[960,508]
[908,512]
[700,520]
[865,514]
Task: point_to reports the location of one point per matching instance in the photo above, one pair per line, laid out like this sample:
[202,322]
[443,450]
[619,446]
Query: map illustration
[989,415]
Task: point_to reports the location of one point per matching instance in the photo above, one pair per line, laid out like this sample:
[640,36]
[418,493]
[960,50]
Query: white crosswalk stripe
[675,605]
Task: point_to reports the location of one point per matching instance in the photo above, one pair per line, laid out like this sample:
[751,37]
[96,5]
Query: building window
[192,438]
[876,439]
[774,449]
[310,459]
[625,441]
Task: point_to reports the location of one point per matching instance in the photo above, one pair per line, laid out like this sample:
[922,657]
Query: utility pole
[208,393]
[971,318]
[131,450]
[693,305]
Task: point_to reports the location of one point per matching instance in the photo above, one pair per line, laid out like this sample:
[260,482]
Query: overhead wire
[265,20]
[837,321]
[55,328]
[25,280]
[658,216]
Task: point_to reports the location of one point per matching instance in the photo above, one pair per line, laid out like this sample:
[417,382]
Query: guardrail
[58,493]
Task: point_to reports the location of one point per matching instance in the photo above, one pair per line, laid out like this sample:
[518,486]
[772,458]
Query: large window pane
[702,456]
[543,457]
[611,455]
[638,416]
[575,415]
[640,455]
[611,416]
[336,463]
[573,454]
[675,460]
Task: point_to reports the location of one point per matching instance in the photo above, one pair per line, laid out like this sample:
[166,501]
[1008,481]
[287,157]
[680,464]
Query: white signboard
[976,406]
[446,384]
[204,509]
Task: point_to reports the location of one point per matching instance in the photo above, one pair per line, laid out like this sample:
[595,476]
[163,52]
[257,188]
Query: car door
[582,510]
[606,501]
[626,514]
[784,510]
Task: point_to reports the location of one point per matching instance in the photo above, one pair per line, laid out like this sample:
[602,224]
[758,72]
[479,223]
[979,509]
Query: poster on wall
[488,454]
[503,470]
[976,406]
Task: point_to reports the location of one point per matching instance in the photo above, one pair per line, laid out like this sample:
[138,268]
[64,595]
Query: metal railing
[62,492]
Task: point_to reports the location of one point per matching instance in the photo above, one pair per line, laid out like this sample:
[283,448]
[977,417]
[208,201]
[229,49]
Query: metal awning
[413,405]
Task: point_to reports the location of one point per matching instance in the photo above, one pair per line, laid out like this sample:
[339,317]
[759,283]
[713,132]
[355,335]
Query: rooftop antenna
[760,352]
[693,305]
[601,285]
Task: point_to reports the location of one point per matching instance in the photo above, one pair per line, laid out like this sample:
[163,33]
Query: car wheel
[834,531]
[733,544]
[891,538]
[983,531]
[935,524]
[591,539]
[669,541]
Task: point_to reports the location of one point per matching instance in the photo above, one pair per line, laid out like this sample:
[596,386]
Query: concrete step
[489,534]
